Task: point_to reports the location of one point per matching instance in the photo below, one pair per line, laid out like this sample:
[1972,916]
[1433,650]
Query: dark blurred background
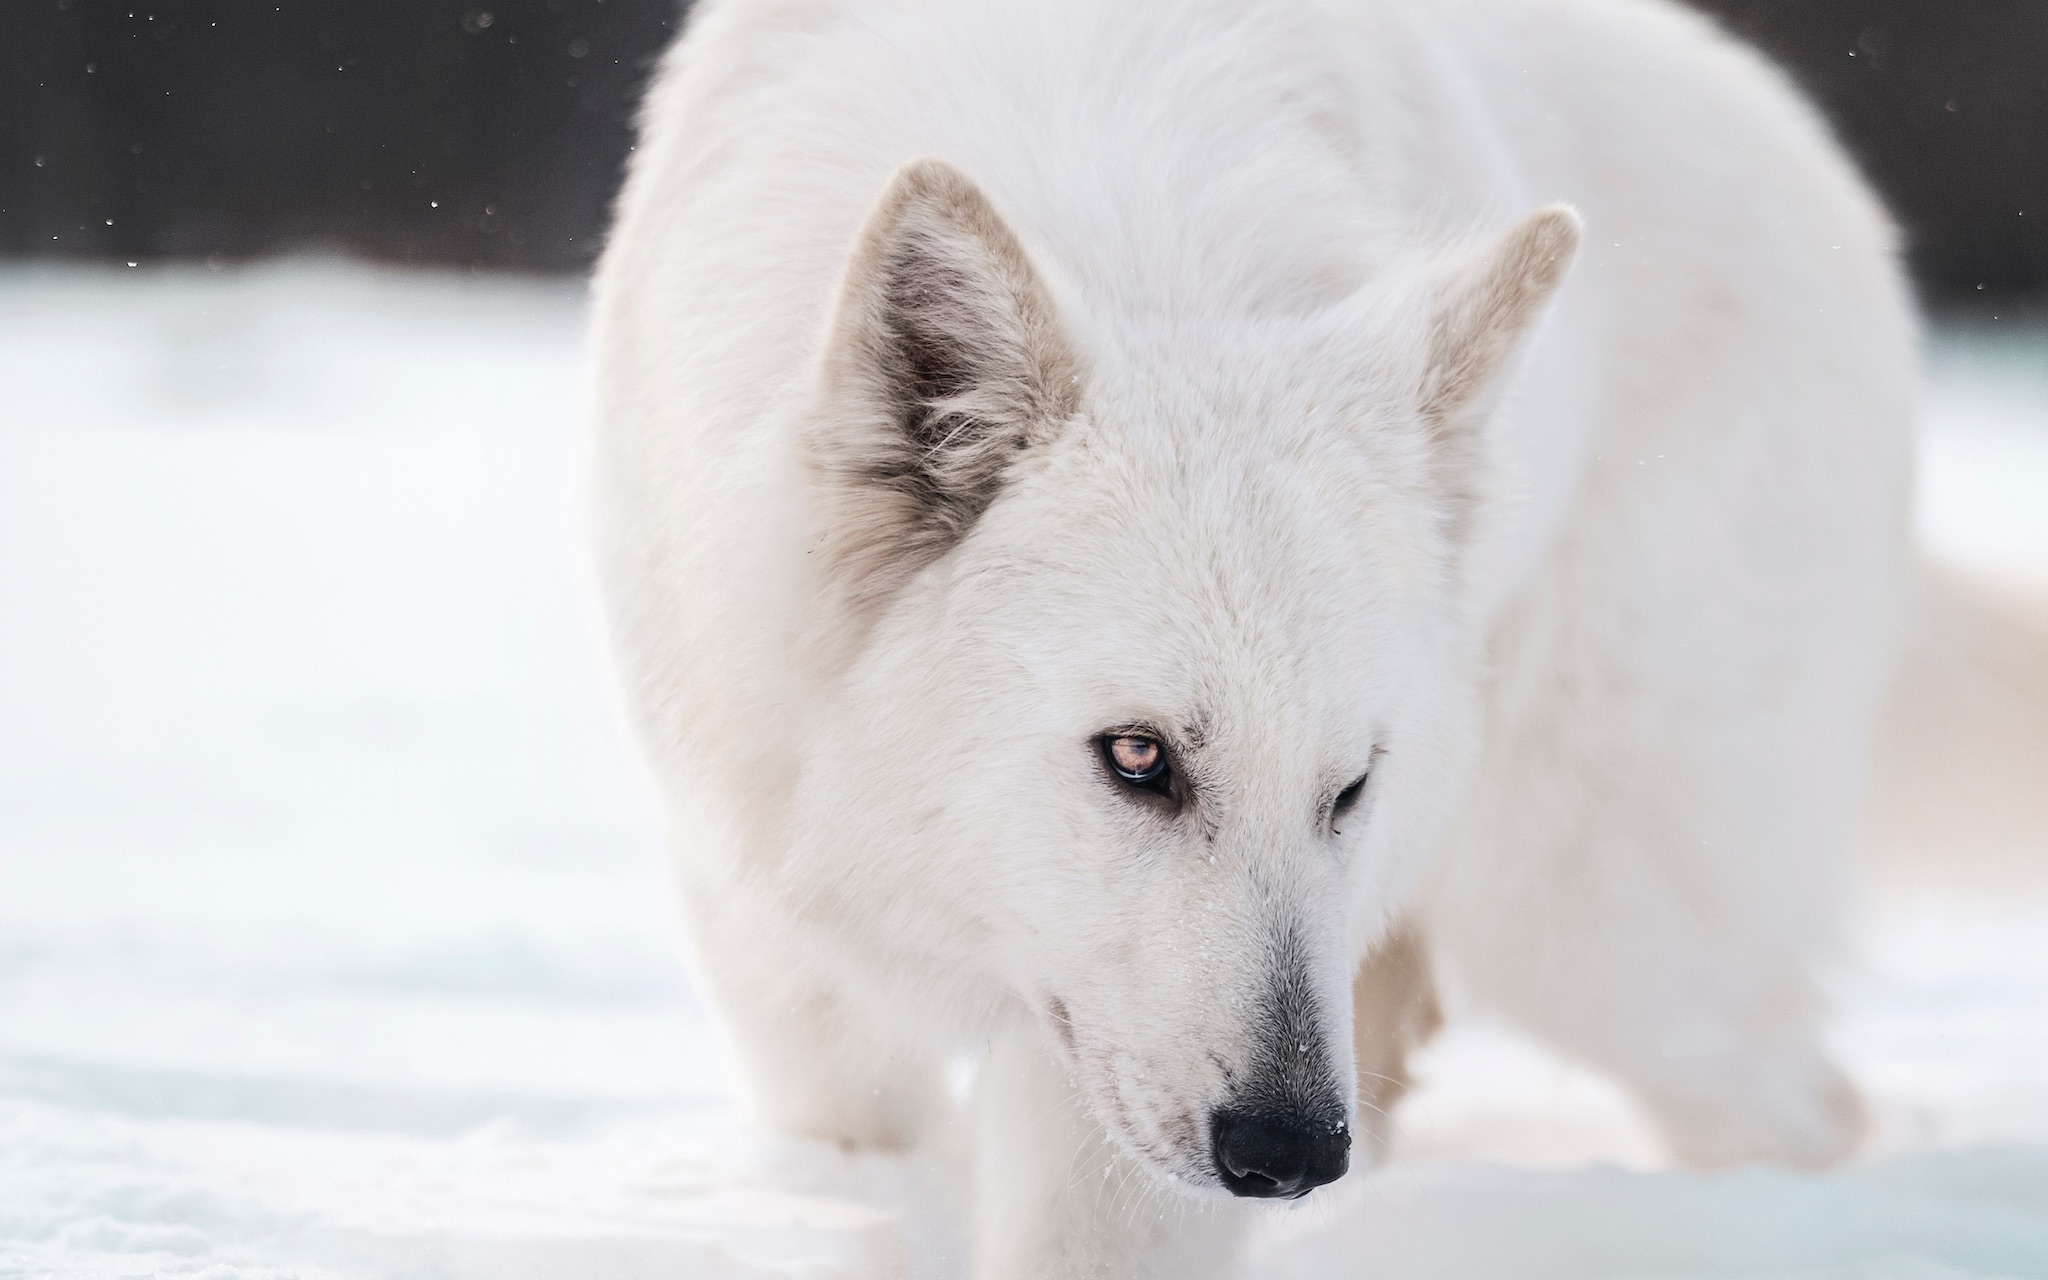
[491,133]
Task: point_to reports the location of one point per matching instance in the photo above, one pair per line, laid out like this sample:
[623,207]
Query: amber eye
[1137,761]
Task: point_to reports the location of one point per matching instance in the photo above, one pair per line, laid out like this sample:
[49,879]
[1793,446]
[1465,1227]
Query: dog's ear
[944,362]
[1484,304]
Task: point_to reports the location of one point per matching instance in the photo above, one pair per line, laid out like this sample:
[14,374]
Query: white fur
[1608,621]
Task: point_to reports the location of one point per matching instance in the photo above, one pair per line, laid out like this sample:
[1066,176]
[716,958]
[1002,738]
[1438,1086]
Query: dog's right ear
[944,362]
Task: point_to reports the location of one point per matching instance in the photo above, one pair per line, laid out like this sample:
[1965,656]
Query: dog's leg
[1055,1199]
[1394,1013]
[816,1060]
[1653,890]
[1668,981]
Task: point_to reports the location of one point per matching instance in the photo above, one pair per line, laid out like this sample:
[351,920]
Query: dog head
[1153,668]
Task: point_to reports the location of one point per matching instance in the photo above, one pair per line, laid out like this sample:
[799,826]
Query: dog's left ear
[944,363]
[1481,308]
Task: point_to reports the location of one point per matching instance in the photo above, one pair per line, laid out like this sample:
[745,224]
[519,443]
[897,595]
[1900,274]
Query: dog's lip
[1195,1178]
[1168,1164]
[1062,1020]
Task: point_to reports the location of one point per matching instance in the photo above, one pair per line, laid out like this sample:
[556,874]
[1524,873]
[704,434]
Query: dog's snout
[1278,1154]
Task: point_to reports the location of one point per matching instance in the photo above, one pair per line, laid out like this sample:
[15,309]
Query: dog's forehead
[1226,597]
[1206,559]
[1251,449]
[1221,532]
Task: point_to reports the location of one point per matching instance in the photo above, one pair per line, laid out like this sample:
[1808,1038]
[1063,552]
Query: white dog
[1145,534]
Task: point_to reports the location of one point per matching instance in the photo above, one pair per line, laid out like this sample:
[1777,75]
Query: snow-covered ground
[335,939]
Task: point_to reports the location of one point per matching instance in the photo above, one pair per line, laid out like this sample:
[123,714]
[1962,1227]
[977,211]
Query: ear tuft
[944,362]
[1489,302]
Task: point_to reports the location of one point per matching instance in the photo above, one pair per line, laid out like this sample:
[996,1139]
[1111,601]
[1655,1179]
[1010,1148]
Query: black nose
[1278,1153]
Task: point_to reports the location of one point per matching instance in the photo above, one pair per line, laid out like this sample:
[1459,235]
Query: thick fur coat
[1145,534]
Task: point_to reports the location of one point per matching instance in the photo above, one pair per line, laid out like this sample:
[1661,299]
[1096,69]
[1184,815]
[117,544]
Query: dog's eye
[1348,797]
[1137,761]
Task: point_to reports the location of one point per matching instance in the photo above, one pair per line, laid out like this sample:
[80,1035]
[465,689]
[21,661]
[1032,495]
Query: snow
[336,940]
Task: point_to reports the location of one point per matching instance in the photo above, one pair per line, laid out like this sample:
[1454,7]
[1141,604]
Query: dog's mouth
[1168,1138]
[1062,1021]
[1169,1141]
